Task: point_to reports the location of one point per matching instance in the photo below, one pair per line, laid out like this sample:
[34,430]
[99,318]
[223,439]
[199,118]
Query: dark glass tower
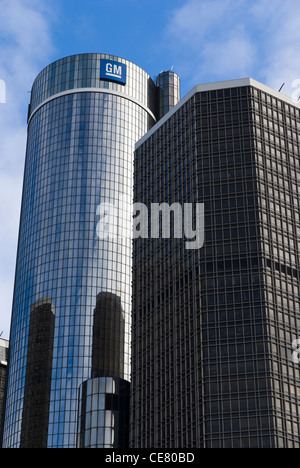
[86,113]
[168,84]
[213,328]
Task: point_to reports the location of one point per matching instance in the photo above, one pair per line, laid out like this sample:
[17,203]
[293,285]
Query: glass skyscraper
[71,321]
[213,328]
[209,362]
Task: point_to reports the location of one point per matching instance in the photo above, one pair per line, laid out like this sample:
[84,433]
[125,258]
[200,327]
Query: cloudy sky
[205,40]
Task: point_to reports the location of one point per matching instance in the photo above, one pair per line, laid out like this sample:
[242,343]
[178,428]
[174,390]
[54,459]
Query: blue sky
[204,40]
[131,29]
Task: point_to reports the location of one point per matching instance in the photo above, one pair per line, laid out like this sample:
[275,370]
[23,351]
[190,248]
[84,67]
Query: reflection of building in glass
[103,416]
[213,329]
[82,127]
[104,399]
[4,351]
[108,337]
[38,375]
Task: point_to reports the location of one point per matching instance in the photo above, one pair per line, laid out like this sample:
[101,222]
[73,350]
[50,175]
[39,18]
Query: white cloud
[210,41]
[280,23]
[25,48]
[197,20]
[235,54]
[226,39]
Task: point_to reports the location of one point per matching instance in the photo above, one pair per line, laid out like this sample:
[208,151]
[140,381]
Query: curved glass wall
[79,155]
[168,84]
[103,413]
[84,71]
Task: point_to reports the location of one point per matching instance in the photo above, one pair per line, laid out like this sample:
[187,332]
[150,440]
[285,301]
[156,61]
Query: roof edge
[212,87]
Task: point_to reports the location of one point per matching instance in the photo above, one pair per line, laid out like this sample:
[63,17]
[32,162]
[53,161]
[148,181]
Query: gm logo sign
[113,71]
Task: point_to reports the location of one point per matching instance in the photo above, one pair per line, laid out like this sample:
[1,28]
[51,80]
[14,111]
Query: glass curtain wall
[81,135]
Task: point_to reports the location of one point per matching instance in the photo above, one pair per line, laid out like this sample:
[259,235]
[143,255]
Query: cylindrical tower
[168,84]
[86,114]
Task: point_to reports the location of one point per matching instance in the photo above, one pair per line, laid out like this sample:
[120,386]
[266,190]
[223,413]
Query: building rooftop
[4,343]
[215,86]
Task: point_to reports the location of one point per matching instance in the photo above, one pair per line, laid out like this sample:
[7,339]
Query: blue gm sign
[113,71]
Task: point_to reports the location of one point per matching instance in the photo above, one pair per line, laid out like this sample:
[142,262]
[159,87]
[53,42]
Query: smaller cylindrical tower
[168,84]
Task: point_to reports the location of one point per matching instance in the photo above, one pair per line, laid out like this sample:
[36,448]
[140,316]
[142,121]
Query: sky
[204,40]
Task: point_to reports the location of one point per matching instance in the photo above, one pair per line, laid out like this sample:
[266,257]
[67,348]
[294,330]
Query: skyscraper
[213,327]
[72,297]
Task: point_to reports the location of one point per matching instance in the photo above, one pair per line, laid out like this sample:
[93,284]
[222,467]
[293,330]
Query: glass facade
[81,136]
[213,328]
[103,417]
[83,71]
[168,84]
[37,389]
